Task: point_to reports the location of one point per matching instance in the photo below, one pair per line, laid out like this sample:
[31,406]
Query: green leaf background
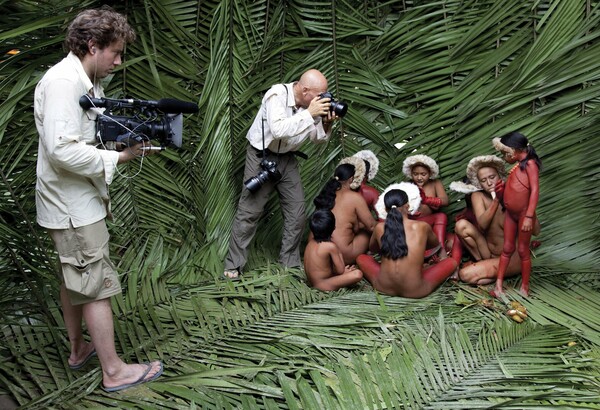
[440,78]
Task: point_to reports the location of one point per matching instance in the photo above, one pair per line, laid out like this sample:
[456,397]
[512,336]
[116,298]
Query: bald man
[289,115]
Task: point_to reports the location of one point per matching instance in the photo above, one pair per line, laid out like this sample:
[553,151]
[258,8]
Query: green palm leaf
[440,77]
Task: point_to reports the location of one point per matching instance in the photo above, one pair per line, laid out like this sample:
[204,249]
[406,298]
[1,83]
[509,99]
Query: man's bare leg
[72,315]
[486,271]
[99,320]
[472,239]
[336,282]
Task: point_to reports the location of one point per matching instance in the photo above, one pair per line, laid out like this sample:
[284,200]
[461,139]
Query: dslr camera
[269,173]
[338,107]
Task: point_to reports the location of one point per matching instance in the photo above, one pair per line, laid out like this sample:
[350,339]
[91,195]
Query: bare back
[324,267]
[353,224]
[403,276]
[322,260]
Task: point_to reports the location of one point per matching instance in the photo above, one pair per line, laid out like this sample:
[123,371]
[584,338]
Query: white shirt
[286,127]
[72,174]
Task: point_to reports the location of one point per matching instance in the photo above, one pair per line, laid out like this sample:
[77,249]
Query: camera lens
[254,183]
[339,108]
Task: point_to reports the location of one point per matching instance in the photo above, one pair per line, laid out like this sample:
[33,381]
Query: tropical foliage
[434,77]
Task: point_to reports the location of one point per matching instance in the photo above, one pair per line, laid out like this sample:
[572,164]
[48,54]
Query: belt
[259,153]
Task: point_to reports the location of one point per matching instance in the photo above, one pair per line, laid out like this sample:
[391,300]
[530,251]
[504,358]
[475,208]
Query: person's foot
[132,375]
[81,356]
[455,277]
[232,274]
[497,293]
[524,291]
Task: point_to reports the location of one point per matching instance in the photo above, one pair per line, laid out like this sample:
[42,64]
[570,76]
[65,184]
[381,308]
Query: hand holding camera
[324,105]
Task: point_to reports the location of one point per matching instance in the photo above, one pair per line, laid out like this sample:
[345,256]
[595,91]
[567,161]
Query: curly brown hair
[103,26]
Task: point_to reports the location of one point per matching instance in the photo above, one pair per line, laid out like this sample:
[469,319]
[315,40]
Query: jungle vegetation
[441,78]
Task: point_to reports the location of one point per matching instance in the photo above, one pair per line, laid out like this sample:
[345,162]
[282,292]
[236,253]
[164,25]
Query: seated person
[485,238]
[354,221]
[368,192]
[423,171]
[323,261]
[402,242]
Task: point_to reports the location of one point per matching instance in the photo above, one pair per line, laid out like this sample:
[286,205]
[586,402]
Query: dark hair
[518,141]
[322,224]
[326,198]
[393,241]
[367,168]
[103,26]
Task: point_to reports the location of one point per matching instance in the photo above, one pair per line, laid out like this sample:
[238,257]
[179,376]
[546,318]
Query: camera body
[269,173]
[117,131]
[128,122]
[338,107]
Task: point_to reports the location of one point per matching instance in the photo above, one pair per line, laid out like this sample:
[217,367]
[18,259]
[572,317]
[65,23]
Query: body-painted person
[424,171]
[520,196]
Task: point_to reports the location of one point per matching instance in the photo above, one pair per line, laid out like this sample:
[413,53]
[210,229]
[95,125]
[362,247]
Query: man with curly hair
[72,198]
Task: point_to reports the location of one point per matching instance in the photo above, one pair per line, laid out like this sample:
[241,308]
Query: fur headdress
[370,157]
[420,159]
[475,164]
[463,187]
[359,170]
[412,191]
[499,146]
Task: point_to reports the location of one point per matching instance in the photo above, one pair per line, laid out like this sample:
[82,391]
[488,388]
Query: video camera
[147,120]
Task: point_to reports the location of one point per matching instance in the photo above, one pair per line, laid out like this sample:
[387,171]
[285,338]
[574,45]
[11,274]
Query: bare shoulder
[477,195]
[355,196]
[328,247]
[415,225]
[481,197]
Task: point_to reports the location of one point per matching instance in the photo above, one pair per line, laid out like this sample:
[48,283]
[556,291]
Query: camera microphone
[86,102]
[171,105]
[166,105]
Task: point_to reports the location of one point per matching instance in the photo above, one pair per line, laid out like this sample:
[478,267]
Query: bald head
[311,84]
[314,79]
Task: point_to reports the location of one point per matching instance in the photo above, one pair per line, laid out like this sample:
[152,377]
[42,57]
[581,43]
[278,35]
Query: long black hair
[326,198]
[322,225]
[519,141]
[393,241]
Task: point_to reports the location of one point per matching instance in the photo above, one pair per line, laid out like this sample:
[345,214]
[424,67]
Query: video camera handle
[166,105]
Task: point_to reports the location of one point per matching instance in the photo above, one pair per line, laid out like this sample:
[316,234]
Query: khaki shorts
[87,270]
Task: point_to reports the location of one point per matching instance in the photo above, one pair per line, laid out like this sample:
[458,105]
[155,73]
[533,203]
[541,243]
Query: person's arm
[435,202]
[432,239]
[440,192]
[303,124]
[484,215]
[365,217]
[534,193]
[64,141]
[337,260]
[375,241]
